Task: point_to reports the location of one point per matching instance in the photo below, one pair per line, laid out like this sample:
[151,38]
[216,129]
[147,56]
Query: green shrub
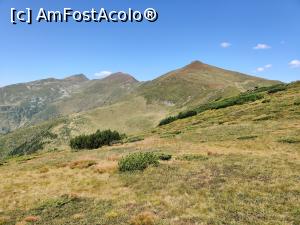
[167,120]
[270,89]
[138,161]
[96,140]
[33,145]
[164,157]
[193,157]
[186,114]
[134,139]
[181,115]
[247,137]
[277,88]
[237,100]
[289,140]
[224,103]
[297,102]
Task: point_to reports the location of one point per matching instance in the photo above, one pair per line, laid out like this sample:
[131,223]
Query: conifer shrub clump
[167,120]
[96,140]
[220,104]
[138,161]
[186,114]
[277,88]
[33,144]
[237,100]
[181,115]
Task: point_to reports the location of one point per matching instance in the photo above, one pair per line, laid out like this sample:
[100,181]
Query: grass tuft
[249,137]
[289,140]
[192,157]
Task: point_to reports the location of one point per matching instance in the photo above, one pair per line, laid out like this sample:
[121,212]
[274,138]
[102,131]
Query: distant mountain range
[140,102]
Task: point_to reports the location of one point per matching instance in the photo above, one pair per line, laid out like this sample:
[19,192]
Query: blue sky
[217,32]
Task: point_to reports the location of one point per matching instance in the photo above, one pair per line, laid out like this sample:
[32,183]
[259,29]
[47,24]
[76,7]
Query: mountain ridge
[25,104]
[197,81]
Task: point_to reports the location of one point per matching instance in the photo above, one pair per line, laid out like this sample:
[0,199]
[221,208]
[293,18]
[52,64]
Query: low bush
[277,88]
[134,139]
[247,137]
[96,140]
[181,115]
[289,140]
[238,100]
[186,114]
[138,161]
[267,89]
[34,144]
[192,158]
[223,103]
[164,157]
[167,120]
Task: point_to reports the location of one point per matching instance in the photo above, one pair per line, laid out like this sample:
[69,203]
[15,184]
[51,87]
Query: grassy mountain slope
[199,83]
[97,93]
[235,165]
[131,117]
[26,104]
[21,103]
[30,103]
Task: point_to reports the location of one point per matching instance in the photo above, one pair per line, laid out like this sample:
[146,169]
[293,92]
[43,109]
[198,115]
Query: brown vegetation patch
[144,218]
[32,219]
[113,158]
[4,219]
[82,164]
[105,167]
[78,216]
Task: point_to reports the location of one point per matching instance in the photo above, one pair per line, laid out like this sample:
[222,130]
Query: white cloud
[225,44]
[294,63]
[268,66]
[260,69]
[261,47]
[102,74]
[263,68]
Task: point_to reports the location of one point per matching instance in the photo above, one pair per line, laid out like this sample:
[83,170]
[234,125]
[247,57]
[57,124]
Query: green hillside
[230,165]
[199,83]
[34,102]
[31,103]
[77,105]
[21,104]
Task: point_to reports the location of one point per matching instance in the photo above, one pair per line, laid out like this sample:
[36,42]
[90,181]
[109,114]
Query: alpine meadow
[234,161]
[120,112]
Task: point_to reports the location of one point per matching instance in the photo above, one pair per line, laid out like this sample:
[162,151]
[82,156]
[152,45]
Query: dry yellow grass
[82,164]
[233,172]
[105,167]
[31,219]
[144,218]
